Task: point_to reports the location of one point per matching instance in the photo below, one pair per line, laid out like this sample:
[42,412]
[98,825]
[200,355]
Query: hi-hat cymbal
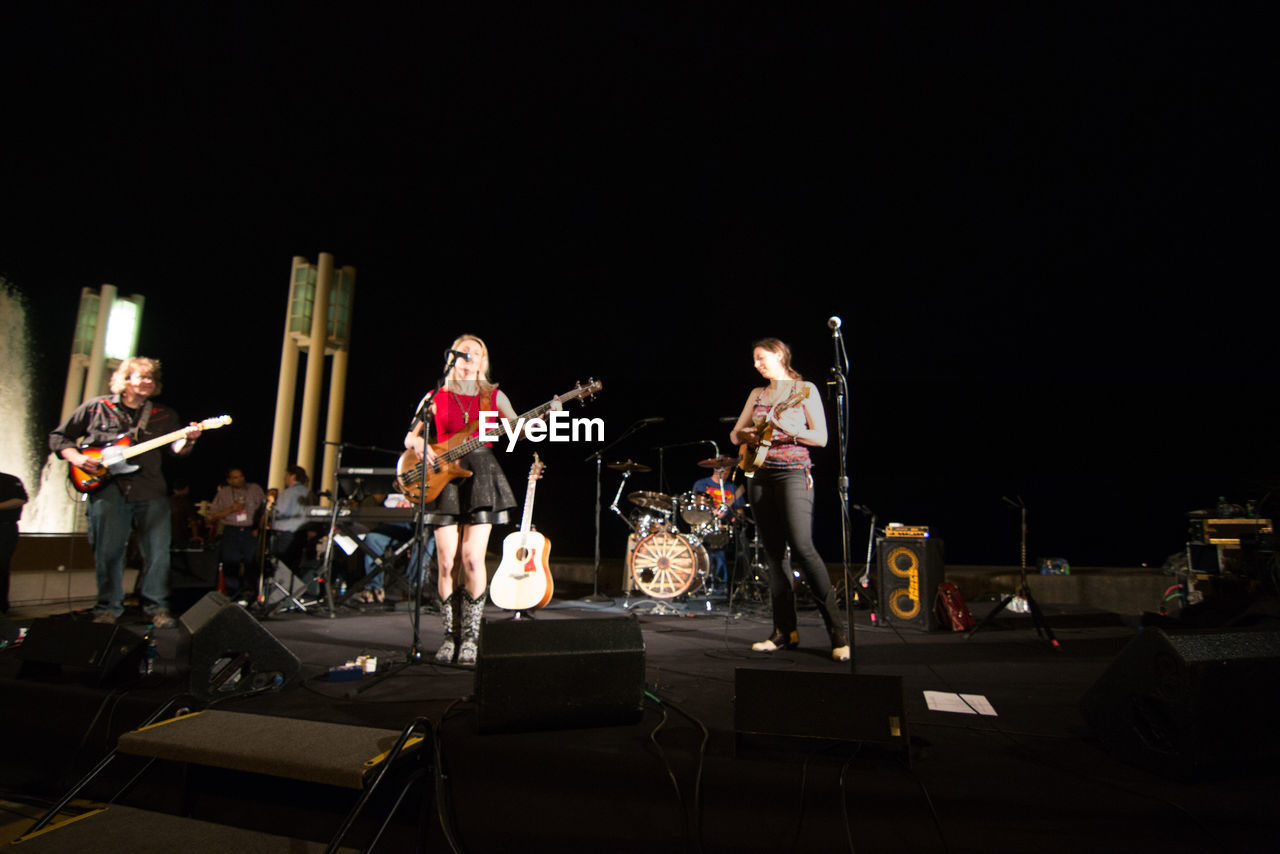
[630,465]
[659,501]
[719,463]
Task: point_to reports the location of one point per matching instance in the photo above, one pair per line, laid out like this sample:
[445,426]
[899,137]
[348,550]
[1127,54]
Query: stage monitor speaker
[229,652]
[81,651]
[910,570]
[1190,703]
[832,706]
[559,674]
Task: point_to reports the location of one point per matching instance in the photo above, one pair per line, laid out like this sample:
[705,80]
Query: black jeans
[782,501]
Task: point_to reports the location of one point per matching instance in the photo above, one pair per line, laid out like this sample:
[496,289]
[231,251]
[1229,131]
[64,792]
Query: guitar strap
[135,429]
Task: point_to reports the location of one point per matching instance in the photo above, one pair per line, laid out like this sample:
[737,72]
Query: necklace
[465,406]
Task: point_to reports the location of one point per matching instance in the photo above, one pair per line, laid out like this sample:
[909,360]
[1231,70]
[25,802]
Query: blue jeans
[390,535]
[111,521]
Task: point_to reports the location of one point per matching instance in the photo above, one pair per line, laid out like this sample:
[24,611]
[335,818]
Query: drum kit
[671,534]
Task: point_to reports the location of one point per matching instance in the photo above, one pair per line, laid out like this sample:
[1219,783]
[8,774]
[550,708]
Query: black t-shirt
[11,487]
[103,420]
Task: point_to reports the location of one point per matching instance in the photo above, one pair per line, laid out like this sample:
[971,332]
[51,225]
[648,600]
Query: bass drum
[664,565]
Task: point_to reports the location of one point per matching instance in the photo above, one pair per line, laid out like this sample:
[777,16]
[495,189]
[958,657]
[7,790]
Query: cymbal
[630,465]
[659,501]
[719,463]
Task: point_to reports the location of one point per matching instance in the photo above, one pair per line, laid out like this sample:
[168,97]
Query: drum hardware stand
[1023,591]
[598,457]
[660,608]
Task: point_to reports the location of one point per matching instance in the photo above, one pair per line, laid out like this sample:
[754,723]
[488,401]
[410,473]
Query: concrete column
[314,382]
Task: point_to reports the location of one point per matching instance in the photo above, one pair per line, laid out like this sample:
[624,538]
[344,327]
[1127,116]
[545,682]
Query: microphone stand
[414,654]
[840,380]
[598,456]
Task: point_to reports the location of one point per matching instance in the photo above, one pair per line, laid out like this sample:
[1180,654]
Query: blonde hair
[120,378]
[482,373]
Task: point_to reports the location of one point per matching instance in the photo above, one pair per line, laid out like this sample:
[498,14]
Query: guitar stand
[1042,628]
[1037,618]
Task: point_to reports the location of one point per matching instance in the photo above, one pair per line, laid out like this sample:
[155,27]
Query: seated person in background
[384,539]
[290,513]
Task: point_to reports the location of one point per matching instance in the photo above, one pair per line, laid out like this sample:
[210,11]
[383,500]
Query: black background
[1044,226]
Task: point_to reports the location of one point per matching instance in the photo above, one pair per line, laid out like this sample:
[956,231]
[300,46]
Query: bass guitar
[116,455]
[752,456]
[415,478]
[523,580]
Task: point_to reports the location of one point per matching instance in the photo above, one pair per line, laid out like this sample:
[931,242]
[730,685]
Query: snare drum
[696,509]
[714,535]
[664,565]
[646,522]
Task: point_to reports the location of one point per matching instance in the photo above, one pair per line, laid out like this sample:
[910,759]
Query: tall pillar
[287,386]
[313,385]
[95,383]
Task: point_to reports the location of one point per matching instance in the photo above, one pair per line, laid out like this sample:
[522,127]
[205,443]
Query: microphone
[466,357]
[833,323]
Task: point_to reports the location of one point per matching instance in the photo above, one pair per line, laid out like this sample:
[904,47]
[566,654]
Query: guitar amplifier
[910,571]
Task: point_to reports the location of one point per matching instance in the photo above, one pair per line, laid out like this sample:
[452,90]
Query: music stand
[1023,591]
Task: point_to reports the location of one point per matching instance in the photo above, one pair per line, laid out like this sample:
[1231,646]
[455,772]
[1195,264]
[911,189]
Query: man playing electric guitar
[128,499]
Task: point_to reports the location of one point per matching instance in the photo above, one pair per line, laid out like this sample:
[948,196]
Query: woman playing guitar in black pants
[778,425]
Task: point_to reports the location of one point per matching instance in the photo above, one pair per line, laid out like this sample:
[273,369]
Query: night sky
[1043,226]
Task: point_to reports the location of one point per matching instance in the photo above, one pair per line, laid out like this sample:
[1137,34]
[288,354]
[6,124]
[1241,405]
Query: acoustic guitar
[415,478]
[522,580]
[115,456]
[751,456]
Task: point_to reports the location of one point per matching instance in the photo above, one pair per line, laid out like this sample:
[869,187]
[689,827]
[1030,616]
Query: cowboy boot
[447,650]
[472,614]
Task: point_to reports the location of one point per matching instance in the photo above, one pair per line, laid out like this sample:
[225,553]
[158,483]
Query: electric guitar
[523,580]
[415,478]
[115,455]
[751,457]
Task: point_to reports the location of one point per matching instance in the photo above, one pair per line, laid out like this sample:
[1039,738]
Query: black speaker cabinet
[80,651]
[832,706]
[1190,703]
[910,570]
[229,652]
[559,674]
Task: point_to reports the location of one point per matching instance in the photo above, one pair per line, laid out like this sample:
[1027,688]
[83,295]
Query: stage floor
[1030,777]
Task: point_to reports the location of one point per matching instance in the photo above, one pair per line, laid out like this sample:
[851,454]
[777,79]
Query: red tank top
[457,413]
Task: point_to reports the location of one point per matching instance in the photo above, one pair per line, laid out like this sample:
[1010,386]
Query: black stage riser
[832,706]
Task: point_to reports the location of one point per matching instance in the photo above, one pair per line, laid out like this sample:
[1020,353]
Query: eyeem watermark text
[556,427]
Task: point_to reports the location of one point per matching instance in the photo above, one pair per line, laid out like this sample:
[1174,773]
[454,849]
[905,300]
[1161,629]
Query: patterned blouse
[784,451]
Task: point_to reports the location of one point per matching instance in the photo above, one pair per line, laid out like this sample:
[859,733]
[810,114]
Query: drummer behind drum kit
[670,535]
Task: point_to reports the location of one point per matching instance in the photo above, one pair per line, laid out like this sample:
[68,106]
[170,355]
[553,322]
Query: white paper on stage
[965,704]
